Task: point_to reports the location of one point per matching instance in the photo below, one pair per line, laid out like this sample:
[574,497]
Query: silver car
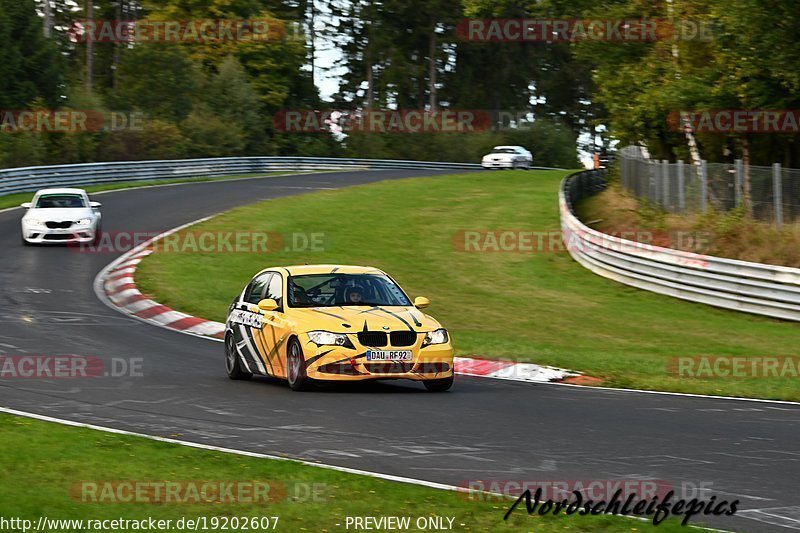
[508,157]
[61,216]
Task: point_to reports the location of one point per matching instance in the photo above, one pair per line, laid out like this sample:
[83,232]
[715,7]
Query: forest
[184,96]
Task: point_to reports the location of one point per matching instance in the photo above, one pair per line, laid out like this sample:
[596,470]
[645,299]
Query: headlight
[438,336]
[84,222]
[326,338]
[34,222]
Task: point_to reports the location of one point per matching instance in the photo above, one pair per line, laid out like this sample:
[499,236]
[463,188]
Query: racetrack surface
[482,429]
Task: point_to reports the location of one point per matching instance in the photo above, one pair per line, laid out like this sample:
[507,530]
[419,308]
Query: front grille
[394,367]
[58,237]
[338,368]
[372,338]
[59,225]
[403,338]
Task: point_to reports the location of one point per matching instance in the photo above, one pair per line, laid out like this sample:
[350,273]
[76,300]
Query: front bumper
[497,164]
[44,235]
[337,363]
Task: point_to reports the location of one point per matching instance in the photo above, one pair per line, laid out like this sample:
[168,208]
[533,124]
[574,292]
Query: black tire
[233,365]
[296,367]
[439,385]
[24,242]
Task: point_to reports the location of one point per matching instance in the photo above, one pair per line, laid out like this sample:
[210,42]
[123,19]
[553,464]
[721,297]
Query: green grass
[42,462]
[13,200]
[538,307]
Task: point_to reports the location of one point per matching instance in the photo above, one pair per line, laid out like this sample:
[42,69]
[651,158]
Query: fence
[33,178]
[731,284]
[770,194]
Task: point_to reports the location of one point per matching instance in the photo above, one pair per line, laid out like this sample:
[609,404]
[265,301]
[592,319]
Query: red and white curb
[510,370]
[116,286]
[120,289]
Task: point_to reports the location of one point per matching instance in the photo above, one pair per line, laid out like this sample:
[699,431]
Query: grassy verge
[48,469]
[13,200]
[731,234]
[532,306]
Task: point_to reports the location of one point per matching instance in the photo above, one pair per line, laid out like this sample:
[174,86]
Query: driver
[354,295]
[299,295]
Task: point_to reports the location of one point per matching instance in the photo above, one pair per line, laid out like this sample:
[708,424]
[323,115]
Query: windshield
[60,201]
[503,151]
[329,290]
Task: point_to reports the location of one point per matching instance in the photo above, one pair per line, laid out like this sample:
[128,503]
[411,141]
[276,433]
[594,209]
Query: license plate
[388,355]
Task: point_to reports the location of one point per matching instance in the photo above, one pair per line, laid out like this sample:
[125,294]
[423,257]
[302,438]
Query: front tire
[233,365]
[296,373]
[439,385]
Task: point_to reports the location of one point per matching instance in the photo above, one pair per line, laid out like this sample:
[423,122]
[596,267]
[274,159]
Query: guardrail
[32,178]
[731,284]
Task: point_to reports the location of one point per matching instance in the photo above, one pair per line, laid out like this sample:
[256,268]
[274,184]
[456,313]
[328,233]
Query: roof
[299,270]
[61,191]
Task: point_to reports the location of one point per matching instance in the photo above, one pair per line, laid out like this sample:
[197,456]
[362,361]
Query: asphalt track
[482,429]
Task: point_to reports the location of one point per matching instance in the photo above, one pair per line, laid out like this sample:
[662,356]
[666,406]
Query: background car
[508,157]
[61,216]
[334,323]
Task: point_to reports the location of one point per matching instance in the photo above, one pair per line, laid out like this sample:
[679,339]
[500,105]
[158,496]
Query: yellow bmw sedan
[317,323]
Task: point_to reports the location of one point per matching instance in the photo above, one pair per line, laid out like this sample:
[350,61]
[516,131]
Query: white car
[508,157]
[61,216]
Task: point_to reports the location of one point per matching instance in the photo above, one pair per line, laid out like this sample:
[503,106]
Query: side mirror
[26,205]
[420,302]
[95,205]
[268,304]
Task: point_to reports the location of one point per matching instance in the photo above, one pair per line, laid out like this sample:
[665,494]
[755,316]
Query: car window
[60,201]
[327,290]
[503,151]
[275,289]
[255,290]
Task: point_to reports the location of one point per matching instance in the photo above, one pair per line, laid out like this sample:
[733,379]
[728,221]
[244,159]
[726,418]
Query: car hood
[360,318]
[56,213]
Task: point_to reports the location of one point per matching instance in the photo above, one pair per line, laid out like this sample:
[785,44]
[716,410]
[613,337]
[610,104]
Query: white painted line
[190,444]
[343,469]
[686,394]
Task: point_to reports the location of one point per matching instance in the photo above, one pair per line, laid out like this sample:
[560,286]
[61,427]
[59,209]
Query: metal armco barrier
[731,284]
[32,178]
